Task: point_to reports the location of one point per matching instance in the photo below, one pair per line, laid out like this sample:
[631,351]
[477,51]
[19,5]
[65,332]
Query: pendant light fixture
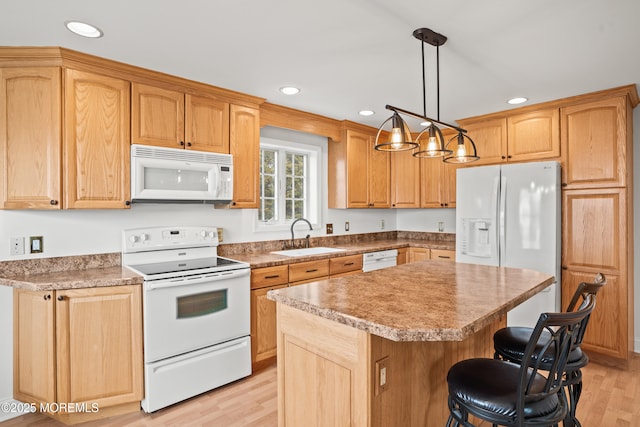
[429,142]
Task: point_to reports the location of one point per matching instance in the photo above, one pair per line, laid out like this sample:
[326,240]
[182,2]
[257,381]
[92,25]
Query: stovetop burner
[193,266]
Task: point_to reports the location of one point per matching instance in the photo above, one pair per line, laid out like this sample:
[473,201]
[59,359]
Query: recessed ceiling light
[83,29]
[289,90]
[425,123]
[366,113]
[518,100]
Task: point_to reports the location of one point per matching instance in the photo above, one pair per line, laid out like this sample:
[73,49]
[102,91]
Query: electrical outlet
[220,235]
[16,246]
[329,228]
[346,226]
[382,375]
[382,224]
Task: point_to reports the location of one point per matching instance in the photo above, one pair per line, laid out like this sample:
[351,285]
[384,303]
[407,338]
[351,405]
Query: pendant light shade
[431,143]
[396,139]
[463,151]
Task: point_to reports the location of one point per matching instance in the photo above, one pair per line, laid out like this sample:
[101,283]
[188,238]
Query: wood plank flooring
[610,398]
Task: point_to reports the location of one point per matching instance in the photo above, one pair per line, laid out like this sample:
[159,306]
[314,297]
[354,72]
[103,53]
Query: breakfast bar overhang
[374,349]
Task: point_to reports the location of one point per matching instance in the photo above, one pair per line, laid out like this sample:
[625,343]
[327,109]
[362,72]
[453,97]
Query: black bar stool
[509,344]
[508,394]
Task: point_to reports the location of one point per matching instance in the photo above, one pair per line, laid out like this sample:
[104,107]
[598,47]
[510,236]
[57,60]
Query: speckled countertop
[268,259]
[423,301]
[83,271]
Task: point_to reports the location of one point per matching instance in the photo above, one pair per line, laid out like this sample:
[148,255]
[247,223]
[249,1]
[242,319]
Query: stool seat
[510,344]
[469,380]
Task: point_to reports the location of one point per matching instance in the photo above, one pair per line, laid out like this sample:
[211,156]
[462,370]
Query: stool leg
[574,389]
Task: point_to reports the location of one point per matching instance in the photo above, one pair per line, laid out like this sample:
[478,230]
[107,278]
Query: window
[289,183]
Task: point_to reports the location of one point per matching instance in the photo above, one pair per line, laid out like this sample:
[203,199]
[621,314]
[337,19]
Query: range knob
[203,234]
[144,237]
[212,234]
[133,238]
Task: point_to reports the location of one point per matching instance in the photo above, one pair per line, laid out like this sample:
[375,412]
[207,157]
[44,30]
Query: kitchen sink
[308,251]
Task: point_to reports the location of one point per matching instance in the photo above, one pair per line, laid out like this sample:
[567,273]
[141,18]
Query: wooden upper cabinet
[405,180]
[594,144]
[527,136]
[359,175]
[490,137]
[30,138]
[173,119]
[96,141]
[438,183]
[245,149]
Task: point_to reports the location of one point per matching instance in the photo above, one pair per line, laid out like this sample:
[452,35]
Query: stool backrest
[586,288]
[565,331]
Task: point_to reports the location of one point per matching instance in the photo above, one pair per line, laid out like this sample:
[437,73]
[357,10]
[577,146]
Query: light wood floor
[610,398]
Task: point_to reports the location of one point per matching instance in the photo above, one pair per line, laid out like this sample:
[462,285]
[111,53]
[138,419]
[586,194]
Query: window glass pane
[201,304]
[269,186]
[269,161]
[298,164]
[299,208]
[298,192]
[288,209]
[288,187]
[269,211]
[288,169]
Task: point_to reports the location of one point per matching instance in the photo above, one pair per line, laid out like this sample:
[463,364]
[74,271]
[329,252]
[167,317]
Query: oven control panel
[160,238]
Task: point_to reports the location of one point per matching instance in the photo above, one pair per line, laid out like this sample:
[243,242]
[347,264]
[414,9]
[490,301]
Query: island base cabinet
[79,349]
[330,374]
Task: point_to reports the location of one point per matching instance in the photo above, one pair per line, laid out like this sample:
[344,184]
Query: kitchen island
[373,349]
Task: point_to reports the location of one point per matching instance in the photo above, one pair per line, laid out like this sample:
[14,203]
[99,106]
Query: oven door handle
[196,279]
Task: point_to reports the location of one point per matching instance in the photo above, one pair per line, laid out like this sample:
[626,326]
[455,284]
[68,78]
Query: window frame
[313,177]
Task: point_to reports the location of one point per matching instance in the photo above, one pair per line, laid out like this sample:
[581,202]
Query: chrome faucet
[294,223]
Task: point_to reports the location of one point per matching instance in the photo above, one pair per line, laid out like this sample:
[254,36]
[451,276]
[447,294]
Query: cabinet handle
[445,257]
[564,184]
[312,271]
[272,277]
[60,298]
[348,263]
[503,157]
[564,267]
[182,143]
[188,144]
[53,202]
[47,297]
[127,203]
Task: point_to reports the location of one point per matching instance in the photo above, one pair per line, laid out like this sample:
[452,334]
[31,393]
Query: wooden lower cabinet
[79,347]
[403,256]
[419,254]
[443,254]
[328,374]
[350,264]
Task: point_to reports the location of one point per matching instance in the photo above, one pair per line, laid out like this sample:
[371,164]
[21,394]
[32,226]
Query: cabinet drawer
[345,263]
[308,270]
[269,276]
[443,254]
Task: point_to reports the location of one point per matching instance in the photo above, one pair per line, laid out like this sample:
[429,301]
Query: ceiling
[349,55]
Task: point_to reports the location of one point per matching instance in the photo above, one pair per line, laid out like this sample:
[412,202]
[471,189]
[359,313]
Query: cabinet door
[263,325]
[99,345]
[157,116]
[534,135]
[443,254]
[402,256]
[34,372]
[405,180]
[358,178]
[431,184]
[419,254]
[30,138]
[449,178]
[96,141]
[594,142]
[207,124]
[608,329]
[490,137]
[244,145]
[379,174]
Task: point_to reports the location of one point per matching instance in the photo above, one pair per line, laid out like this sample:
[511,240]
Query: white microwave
[180,176]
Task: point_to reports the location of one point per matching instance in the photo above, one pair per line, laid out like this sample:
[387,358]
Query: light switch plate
[36,244]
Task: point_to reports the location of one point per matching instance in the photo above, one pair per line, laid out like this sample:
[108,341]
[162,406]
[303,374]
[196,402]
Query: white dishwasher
[379,259]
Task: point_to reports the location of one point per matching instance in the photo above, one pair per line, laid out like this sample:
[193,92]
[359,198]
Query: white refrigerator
[509,215]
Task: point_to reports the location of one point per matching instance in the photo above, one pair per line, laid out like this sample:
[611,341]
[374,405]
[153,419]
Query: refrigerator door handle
[502,218]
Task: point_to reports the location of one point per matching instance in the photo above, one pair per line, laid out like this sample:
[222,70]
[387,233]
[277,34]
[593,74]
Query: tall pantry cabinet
[597,154]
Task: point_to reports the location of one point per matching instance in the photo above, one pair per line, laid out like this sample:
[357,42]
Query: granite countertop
[73,279]
[423,301]
[268,259]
